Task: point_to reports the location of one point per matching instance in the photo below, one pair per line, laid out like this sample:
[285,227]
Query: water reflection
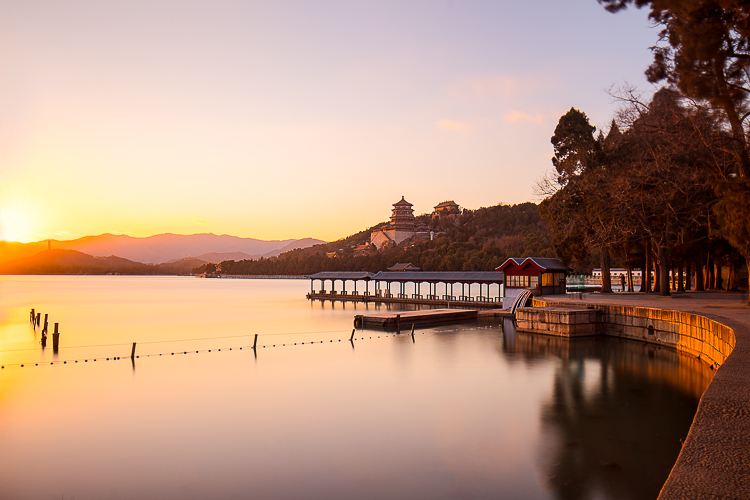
[617,414]
[463,411]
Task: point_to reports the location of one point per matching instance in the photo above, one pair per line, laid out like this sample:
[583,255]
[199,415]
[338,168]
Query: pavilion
[541,275]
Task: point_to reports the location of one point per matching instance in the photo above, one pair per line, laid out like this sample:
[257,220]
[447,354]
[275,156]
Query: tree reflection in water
[617,413]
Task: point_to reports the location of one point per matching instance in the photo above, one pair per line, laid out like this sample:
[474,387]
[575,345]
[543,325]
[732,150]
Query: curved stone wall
[714,461]
[694,334]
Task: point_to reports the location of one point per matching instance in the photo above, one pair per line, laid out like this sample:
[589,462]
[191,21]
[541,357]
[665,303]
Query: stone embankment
[706,338]
[715,458]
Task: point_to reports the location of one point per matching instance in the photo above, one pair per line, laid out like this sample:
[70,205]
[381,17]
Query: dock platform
[494,313]
[398,320]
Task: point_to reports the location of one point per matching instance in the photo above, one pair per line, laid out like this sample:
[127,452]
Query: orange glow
[16,224]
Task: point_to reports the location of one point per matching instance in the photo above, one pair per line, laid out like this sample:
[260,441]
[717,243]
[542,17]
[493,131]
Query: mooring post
[412,333]
[55,337]
[32,317]
[46,324]
[255,341]
[38,318]
[398,324]
[351,339]
[132,352]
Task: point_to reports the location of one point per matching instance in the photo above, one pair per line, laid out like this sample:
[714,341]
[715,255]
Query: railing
[380,295]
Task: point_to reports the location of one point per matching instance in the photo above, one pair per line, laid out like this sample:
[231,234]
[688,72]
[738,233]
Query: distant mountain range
[159,254]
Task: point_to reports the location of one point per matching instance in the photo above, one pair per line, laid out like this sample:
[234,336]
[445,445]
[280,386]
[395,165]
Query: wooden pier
[398,320]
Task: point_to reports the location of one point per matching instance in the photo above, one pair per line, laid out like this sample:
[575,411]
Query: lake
[463,411]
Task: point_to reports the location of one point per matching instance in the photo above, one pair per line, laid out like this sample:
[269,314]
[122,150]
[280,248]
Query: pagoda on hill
[402,227]
[402,217]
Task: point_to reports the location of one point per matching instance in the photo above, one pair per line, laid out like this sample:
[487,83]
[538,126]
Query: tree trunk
[680,280]
[747,264]
[663,270]
[699,276]
[606,277]
[688,275]
[630,279]
[717,273]
[657,274]
[709,273]
[646,269]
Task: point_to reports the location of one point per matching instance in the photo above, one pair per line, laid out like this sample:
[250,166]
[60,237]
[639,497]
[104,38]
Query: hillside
[157,249]
[56,261]
[475,240]
[71,262]
[292,245]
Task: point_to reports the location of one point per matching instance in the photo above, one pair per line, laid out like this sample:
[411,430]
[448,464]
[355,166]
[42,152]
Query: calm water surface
[463,412]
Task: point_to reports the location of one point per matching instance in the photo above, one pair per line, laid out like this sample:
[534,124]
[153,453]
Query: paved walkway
[715,458]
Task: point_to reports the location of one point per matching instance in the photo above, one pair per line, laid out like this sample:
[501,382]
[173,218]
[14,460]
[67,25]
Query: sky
[284,119]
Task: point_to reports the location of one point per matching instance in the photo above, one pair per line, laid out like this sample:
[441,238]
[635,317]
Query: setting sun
[15,225]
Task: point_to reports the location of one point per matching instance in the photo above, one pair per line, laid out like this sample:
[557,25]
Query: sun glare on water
[15,225]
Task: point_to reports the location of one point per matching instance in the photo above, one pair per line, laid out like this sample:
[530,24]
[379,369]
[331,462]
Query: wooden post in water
[38,319]
[255,341]
[412,333]
[351,339]
[398,323]
[132,352]
[46,324]
[55,337]
[32,317]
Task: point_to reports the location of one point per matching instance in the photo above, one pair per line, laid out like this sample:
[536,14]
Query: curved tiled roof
[341,275]
[402,203]
[545,263]
[442,276]
[415,276]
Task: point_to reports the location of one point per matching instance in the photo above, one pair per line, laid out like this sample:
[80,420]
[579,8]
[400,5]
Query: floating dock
[398,320]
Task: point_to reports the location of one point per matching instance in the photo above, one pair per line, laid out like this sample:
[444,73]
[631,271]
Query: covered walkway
[443,286]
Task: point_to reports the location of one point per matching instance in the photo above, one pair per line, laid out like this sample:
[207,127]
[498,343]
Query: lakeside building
[616,272]
[541,275]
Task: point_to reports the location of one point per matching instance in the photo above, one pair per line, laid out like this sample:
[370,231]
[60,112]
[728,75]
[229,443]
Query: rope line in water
[219,349]
[192,339]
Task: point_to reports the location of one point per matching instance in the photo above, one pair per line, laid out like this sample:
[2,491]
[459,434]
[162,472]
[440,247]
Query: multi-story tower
[402,218]
[402,227]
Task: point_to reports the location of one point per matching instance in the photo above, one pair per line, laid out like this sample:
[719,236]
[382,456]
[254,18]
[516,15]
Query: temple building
[403,226]
[446,209]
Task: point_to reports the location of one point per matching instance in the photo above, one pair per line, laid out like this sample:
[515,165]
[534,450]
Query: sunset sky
[290,119]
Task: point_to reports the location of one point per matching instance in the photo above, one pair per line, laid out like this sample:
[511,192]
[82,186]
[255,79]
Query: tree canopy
[703,50]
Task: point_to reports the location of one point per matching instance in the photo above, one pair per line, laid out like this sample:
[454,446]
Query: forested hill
[475,240]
